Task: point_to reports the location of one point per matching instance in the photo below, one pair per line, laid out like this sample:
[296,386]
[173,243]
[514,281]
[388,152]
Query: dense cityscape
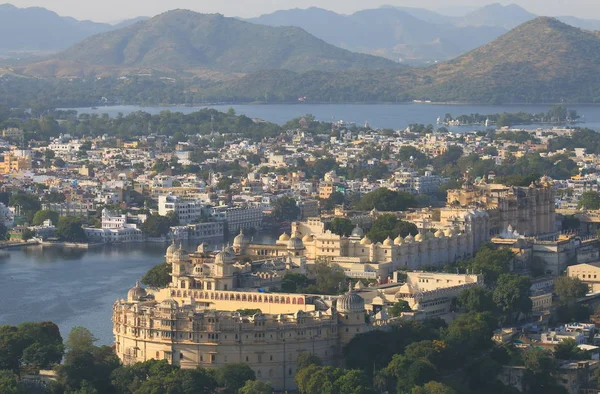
[190,247]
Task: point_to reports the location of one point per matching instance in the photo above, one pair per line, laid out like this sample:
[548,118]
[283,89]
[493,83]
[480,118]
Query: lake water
[396,116]
[71,287]
[76,287]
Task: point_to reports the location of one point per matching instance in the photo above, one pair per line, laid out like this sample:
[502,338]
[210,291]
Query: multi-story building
[362,258]
[14,163]
[71,208]
[588,273]
[115,229]
[529,210]
[187,211]
[197,321]
[206,232]
[239,217]
[308,208]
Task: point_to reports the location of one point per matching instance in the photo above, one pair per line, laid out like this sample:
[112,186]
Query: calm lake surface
[396,116]
[76,287]
[71,287]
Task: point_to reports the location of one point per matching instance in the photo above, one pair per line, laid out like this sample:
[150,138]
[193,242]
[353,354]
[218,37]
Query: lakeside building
[186,210]
[115,229]
[362,258]
[210,232]
[199,320]
[238,217]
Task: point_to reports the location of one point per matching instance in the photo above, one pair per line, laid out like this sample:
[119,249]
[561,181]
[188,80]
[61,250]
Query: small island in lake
[556,115]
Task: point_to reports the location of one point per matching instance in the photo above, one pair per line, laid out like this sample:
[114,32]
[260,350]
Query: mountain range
[37,30]
[183,42]
[414,35]
[542,60]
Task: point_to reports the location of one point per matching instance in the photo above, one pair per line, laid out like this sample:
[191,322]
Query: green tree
[511,295]
[477,299]
[80,339]
[158,276]
[491,263]
[43,215]
[433,387]
[568,350]
[69,228]
[589,200]
[9,383]
[471,333]
[570,288]
[330,278]
[305,359]
[340,226]
[388,225]
[256,387]
[27,204]
[285,209]
[386,200]
[156,226]
[292,283]
[232,377]
[398,307]
[354,382]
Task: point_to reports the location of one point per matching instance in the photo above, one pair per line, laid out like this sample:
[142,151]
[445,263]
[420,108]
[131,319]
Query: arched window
[287,300]
[300,301]
[294,301]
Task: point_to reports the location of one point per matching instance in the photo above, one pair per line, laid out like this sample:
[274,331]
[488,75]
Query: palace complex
[208,317]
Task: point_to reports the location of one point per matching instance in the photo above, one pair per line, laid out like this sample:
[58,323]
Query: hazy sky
[115,10]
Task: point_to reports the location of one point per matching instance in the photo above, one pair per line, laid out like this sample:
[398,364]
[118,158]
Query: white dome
[171,249]
[409,238]
[419,237]
[439,234]
[284,237]
[388,242]
[240,239]
[357,232]
[399,240]
[350,302]
[365,241]
[136,292]
[295,243]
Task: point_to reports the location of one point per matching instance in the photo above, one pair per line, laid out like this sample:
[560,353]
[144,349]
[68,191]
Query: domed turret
[239,240]
[170,250]
[180,256]
[284,237]
[295,243]
[448,232]
[357,232]
[419,237]
[350,302]
[409,238]
[439,234]
[365,241]
[307,238]
[136,293]
[388,242]
[223,258]
[399,240]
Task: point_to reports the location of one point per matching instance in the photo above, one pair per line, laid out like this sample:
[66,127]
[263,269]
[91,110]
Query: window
[180,355]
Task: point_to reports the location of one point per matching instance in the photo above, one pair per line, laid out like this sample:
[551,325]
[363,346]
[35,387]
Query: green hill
[186,41]
[542,60]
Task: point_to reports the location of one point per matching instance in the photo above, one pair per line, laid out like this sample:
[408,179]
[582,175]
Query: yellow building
[326,189]
[200,320]
[14,163]
[362,258]
[529,210]
[587,273]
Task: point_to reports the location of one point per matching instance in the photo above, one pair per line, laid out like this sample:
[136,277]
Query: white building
[115,229]
[206,232]
[239,217]
[187,211]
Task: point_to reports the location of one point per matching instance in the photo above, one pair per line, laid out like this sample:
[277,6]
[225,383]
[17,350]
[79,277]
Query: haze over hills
[415,35]
[35,30]
[187,42]
[543,60]
[388,32]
